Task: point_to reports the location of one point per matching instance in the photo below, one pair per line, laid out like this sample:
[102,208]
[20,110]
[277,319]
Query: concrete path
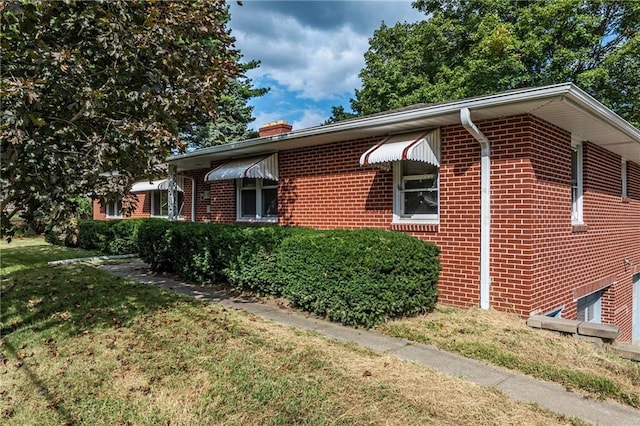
[549,395]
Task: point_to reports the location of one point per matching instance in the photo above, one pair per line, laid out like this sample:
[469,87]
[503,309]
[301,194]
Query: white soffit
[416,146]
[262,167]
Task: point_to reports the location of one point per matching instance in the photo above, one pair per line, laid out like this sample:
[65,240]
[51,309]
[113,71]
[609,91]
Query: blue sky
[310,51]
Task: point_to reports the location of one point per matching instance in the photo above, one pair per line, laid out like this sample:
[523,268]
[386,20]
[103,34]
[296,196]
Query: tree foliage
[473,47]
[338,113]
[89,88]
[234,113]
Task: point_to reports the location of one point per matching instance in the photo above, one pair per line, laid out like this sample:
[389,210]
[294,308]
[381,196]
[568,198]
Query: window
[576,183]
[114,208]
[624,178]
[416,194]
[257,199]
[160,203]
[555,313]
[590,308]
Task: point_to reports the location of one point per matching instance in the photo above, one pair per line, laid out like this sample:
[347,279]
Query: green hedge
[110,237]
[359,277]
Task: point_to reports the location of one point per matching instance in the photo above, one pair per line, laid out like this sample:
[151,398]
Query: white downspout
[485,206]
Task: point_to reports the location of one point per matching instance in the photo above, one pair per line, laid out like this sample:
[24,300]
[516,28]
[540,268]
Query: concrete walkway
[551,396]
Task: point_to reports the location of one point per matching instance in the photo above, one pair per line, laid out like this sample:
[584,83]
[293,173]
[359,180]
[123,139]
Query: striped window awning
[263,167]
[157,185]
[416,146]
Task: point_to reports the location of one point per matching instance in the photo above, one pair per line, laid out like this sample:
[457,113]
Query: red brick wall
[537,258]
[221,201]
[142,209]
[570,262]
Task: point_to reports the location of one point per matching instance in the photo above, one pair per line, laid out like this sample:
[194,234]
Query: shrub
[154,244]
[359,277]
[202,251]
[93,234]
[253,266]
[112,237]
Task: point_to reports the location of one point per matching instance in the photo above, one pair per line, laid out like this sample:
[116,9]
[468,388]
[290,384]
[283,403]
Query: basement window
[555,313]
[590,308]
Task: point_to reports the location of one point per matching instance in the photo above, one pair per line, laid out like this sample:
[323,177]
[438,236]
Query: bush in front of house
[254,265]
[109,237]
[202,251]
[154,244]
[359,277]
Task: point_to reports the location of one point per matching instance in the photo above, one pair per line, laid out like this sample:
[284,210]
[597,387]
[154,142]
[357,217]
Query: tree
[338,113]
[473,47]
[91,88]
[234,113]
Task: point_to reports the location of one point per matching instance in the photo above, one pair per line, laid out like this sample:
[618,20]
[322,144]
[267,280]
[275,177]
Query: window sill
[577,228]
[415,226]
[249,220]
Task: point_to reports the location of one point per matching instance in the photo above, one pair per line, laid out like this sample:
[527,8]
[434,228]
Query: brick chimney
[275,128]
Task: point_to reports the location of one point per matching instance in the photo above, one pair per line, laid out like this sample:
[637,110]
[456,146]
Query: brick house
[533,195]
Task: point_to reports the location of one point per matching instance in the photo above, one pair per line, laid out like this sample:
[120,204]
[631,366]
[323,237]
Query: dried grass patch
[504,339]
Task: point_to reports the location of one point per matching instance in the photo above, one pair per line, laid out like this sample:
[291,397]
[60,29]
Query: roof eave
[364,126]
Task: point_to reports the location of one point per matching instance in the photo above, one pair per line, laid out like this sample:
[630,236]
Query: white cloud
[310,51]
[314,49]
[316,64]
[310,118]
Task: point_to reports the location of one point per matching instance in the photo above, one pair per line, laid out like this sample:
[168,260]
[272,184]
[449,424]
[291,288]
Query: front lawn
[82,347]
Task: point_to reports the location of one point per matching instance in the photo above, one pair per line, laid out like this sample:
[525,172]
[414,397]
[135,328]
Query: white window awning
[416,146]
[156,185]
[263,167]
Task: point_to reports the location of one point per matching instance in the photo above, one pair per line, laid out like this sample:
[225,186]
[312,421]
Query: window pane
[164,203]
[420,202]
[114,208]
[248,200]
[423,182]
[412,168]
[589,308]
[155,208]
[270,202]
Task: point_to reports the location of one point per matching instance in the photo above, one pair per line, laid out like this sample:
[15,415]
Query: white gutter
[485,206]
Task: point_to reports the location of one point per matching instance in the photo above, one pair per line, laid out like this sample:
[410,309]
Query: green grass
[23,253]
[82,347]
